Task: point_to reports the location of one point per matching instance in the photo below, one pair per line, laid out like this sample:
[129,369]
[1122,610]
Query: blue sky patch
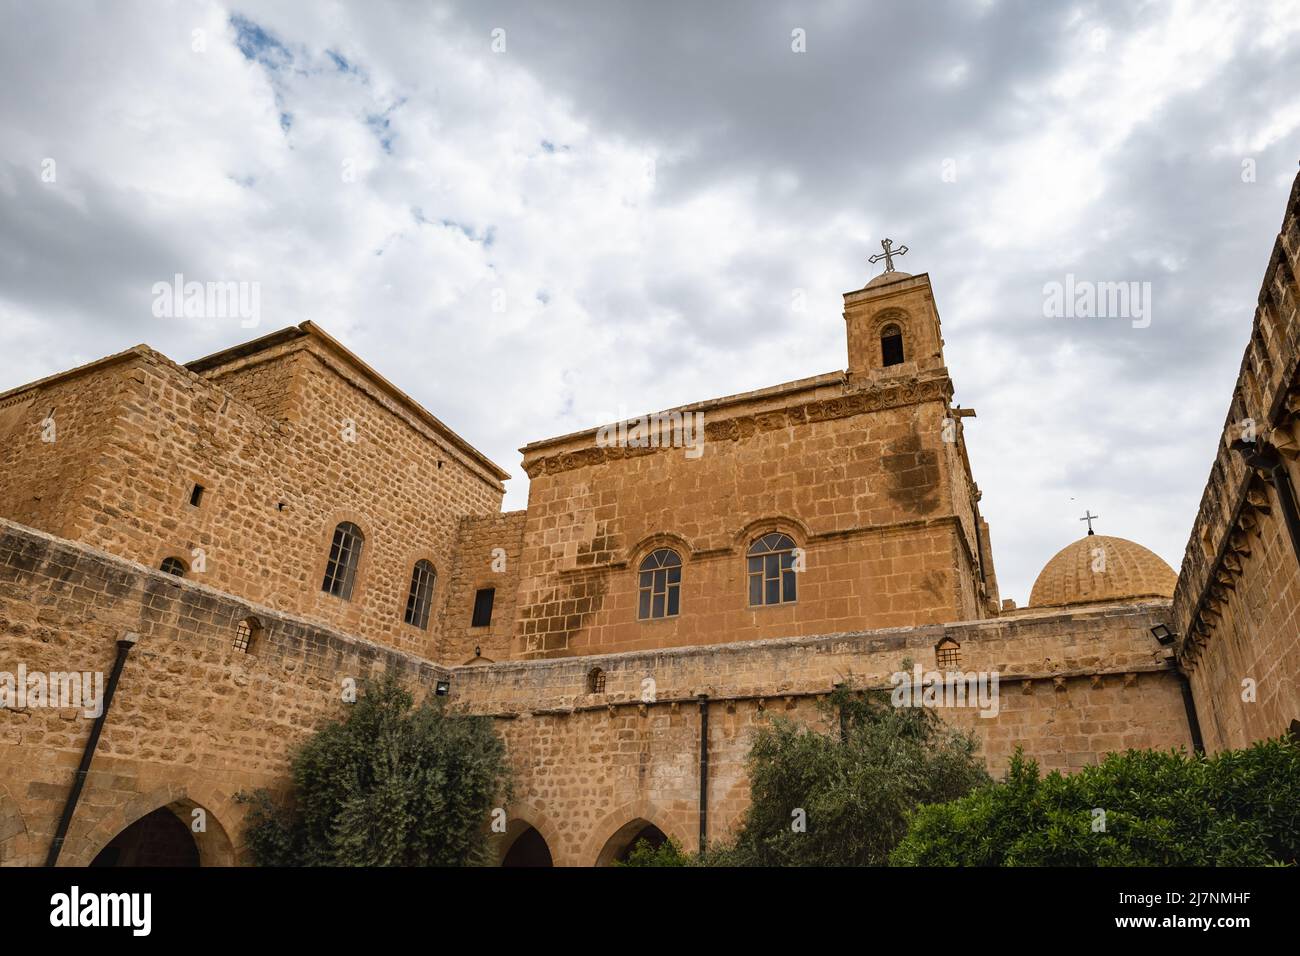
[259,46]
[379,125]
[342,63]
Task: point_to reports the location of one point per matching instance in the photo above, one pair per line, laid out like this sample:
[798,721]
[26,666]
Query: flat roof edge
[725,401]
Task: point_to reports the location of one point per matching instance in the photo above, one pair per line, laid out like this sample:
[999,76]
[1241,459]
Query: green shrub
[852,792]
[1236,808]
[392,785]
[667,853]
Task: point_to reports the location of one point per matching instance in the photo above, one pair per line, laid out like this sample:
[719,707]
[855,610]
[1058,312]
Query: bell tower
[892,324]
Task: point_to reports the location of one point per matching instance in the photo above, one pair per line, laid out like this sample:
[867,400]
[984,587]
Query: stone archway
[621,843]
[522,820]
[211,839]
[156,839]
[528,848]
[615,836]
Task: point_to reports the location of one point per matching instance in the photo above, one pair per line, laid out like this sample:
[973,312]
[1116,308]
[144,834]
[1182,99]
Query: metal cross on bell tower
[1089,517]
[888,254]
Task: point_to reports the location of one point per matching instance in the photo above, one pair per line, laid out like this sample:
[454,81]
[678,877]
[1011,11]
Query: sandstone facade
[1237,605]
[244,465]
[288,436]
[195,721]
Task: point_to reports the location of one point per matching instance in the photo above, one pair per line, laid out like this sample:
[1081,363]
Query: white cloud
[648,192]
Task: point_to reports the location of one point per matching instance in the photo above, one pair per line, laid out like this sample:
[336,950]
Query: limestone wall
[487,557]
[46,473]
[194,721]
[136,435]
[1073,686]
[1237,604]
[858,481]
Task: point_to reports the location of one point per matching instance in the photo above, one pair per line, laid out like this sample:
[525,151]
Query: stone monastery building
[240,534]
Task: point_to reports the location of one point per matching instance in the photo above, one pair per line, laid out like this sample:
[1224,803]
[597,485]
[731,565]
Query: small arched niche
[891,345]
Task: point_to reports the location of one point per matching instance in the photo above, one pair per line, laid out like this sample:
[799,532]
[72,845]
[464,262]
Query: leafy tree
[1236,808]
[843,798]
[667,853]
[391,785]
[270,832]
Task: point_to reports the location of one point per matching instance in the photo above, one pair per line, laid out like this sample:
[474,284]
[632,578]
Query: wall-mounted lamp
[1162,634]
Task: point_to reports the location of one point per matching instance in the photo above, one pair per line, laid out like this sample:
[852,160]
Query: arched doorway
[179,832]
[156,839]
[619,846]
[528,849]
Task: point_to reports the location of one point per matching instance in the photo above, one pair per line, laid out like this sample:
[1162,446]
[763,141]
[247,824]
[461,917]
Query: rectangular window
[196,495]
[788,592]
[483,599]
[772,579]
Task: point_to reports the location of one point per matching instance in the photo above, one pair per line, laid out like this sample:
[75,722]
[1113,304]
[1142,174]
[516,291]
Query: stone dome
[1124,570]
[887,277]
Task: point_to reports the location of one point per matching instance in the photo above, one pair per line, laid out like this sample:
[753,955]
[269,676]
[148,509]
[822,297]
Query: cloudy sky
[537,217]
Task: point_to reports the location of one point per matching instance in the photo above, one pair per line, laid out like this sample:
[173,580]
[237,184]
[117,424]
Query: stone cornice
[934,386]
[1252,501]
[348,366]
[36,546]
[783,697]
[737,548]
[1236,497]
[554,684]
[19,393]
[880,294]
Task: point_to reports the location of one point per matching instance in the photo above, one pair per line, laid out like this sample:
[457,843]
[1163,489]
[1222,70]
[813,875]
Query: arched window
[891,345]
[595,681]
[246,634]
[345,554]
[173,566]
[420,598]
[948,653]
[771,570]
[660,585]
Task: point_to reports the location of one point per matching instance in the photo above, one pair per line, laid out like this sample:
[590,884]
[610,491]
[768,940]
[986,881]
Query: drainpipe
[79,782]
[844,720]
[704,769]
[1189,705]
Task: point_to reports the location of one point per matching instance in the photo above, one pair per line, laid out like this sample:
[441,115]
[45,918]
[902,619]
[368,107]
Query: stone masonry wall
[267,384]
[1237,604]
[194,721]
[1073,686]
[120,476]
[45,483]
[477,566]
[858,482]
